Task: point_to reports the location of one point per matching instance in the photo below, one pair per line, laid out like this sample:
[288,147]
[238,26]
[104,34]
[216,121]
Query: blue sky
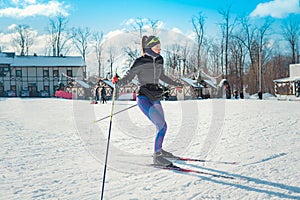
[113,16]
[109,15]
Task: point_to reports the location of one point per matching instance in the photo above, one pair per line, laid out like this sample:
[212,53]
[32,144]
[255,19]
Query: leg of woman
[153,110]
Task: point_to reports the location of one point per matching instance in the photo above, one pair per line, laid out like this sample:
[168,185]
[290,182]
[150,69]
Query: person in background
[97,91]
[103,95]
[149,70]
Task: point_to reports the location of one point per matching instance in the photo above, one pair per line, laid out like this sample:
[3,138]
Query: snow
[52,149]
[108,82]
[191,82]
[83,84]
[6,58]
[47,61]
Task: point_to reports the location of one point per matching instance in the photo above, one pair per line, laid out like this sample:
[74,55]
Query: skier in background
[149,70]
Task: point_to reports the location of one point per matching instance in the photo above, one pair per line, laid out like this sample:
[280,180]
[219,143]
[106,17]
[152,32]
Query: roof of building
[82,83]
[6,58]
[191,82]
[287,79]
[294,74]
[40,61]
[48,61]
[210,83]
[109,83]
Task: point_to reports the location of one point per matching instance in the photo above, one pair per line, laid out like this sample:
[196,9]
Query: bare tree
[262,32]
[132,54]
[58,35]
[275,68]
[138,26]
[173,57]
[205,56]
[247,36]
[154,24]
[20,40]
[98,38]
[24,39]
[226,28]
[184,59]
[198,27]
[81,37]
[236,63]
[112,58]
[30,36]
[254,39]
[291,32]
[215,56]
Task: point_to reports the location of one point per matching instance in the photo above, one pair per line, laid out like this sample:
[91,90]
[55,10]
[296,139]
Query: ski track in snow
[51,149]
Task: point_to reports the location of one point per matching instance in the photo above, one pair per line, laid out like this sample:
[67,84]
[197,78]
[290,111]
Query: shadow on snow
[243,186]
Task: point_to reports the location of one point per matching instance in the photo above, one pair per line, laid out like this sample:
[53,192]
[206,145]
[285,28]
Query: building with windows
[289,85]
[37,76]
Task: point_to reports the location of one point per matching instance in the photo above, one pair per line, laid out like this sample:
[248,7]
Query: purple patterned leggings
[154,111]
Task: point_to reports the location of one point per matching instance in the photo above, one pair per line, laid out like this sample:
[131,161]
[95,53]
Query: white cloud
[160,25]
[14,2]
[176,30]
[39,46]
[148,27]
[112,34]
[31,8]
[133,21]
[276,8]
[22,2]
[6,41]
[12,27]
[31,1]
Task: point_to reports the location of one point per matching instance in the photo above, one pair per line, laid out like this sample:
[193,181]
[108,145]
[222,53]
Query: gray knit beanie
[151,41]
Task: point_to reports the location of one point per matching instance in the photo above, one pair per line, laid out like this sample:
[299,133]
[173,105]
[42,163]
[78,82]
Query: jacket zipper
[154,70]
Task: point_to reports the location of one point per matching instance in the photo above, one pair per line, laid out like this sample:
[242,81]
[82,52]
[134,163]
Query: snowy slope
[52,149]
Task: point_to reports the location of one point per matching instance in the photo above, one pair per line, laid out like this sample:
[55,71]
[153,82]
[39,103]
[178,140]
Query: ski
[185,170]
[202,160]
[189,159]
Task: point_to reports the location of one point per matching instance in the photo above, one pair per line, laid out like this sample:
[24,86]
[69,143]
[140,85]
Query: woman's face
[156,48]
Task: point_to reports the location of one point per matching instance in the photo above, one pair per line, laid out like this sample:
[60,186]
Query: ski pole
[108,140]
[98,120]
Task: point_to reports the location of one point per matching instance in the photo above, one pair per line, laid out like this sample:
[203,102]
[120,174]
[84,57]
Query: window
[1,89]
[18,73]
[46,73]
[3,71]
[55,73]
[69,73]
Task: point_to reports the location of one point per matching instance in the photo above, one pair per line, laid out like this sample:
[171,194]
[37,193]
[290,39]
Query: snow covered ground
[52,149]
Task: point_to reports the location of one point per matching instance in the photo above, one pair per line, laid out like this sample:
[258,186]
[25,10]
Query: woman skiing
[149,70]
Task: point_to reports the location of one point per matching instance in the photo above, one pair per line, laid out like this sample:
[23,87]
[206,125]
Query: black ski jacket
[149,71]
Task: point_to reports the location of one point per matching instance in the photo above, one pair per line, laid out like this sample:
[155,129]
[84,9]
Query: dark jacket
[103,92]
[149,71]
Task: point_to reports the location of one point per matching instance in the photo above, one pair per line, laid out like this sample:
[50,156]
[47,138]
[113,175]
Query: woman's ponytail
[144,39]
